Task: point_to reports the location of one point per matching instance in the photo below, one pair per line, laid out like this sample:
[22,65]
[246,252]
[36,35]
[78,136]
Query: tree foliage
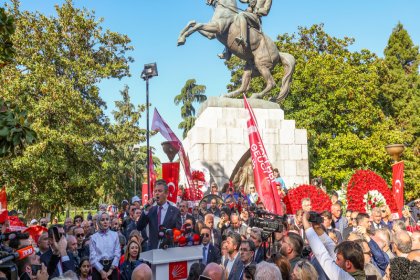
[190,93]
[58,63]
[342,99]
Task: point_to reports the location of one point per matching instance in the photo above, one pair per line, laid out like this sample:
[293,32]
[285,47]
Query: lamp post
[149,71]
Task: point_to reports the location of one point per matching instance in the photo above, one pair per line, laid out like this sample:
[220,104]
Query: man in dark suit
[216,236]
[352,225]
[233,263]
[210,252]
[183,208]
[247,251]
[256,238]
[161,214]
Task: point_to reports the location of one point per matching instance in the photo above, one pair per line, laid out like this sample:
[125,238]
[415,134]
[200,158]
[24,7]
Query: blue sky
[154,26]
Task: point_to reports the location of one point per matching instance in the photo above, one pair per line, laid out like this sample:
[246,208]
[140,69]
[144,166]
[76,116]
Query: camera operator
[346,261]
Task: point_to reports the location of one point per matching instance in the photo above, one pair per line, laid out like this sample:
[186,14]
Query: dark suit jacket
[172,220]
[217,237]
[213,255]
[235,272]
[189,216]
[382,224]
[50,260]
[259,255]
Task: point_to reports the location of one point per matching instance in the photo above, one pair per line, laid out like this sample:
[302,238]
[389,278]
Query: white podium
[172,263]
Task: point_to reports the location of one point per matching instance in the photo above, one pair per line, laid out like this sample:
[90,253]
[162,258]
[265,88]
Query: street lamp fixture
[149,71]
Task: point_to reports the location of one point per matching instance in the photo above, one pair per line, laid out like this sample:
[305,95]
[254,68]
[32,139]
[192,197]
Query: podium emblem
[178,270]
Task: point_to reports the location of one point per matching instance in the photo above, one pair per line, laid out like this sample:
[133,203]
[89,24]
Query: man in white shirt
[344,262]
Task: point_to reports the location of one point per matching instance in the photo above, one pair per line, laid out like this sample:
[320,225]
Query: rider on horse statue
[251,17]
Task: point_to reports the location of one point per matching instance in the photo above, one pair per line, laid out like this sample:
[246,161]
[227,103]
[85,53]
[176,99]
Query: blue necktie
[204,261]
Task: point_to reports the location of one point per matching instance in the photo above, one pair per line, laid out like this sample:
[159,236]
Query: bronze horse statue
[260,54]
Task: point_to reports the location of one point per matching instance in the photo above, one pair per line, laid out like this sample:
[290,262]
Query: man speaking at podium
[158,212]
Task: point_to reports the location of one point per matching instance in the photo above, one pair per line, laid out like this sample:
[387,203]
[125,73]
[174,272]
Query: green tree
[400,87]
[190,93]
[58,63]
[15,131]
[124,164]
[337,95]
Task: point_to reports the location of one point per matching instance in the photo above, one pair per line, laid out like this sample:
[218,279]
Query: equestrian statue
[240,32]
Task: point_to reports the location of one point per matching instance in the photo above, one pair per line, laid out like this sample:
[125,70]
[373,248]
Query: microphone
[162,230]
[18,255]
[147,205]
[196,239]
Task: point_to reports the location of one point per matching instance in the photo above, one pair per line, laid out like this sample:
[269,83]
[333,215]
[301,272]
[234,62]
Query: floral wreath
[319,199]
[367,190]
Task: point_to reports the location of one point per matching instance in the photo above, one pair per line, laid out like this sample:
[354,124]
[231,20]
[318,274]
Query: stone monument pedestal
[219,140]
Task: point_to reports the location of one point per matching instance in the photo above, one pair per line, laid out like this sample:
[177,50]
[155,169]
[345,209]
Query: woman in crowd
[104,250]
[304,270]
[85,271]
[284,265]
[224,251]
[131,260]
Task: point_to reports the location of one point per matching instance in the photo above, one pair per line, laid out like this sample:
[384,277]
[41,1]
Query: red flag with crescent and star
[170,173]
[264,180]
[398,185]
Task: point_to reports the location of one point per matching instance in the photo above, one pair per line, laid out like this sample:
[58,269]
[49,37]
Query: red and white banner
[160,125]
[264,180]
[178,270]
[398,185]
[170,173]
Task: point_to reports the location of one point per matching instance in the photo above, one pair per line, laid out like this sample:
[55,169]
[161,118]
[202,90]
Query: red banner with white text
[398,185]
[264,180]
[170,173]
[160,125]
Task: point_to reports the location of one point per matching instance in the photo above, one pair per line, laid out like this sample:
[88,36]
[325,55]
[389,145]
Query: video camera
[315,218]
[266,221]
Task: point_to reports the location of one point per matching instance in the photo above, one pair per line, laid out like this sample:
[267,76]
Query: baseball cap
[34,221]
[135,199]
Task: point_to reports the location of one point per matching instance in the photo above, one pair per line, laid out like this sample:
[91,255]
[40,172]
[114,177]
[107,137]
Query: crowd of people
[239,240]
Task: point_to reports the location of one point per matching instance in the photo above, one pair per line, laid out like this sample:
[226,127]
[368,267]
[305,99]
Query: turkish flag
[144,193]
[170,173]
[3,206]
[398,185]
[178,270]
[160,125]
[264,180]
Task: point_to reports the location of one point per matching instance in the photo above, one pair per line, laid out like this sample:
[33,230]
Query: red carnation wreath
[367,190]
[319,199]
